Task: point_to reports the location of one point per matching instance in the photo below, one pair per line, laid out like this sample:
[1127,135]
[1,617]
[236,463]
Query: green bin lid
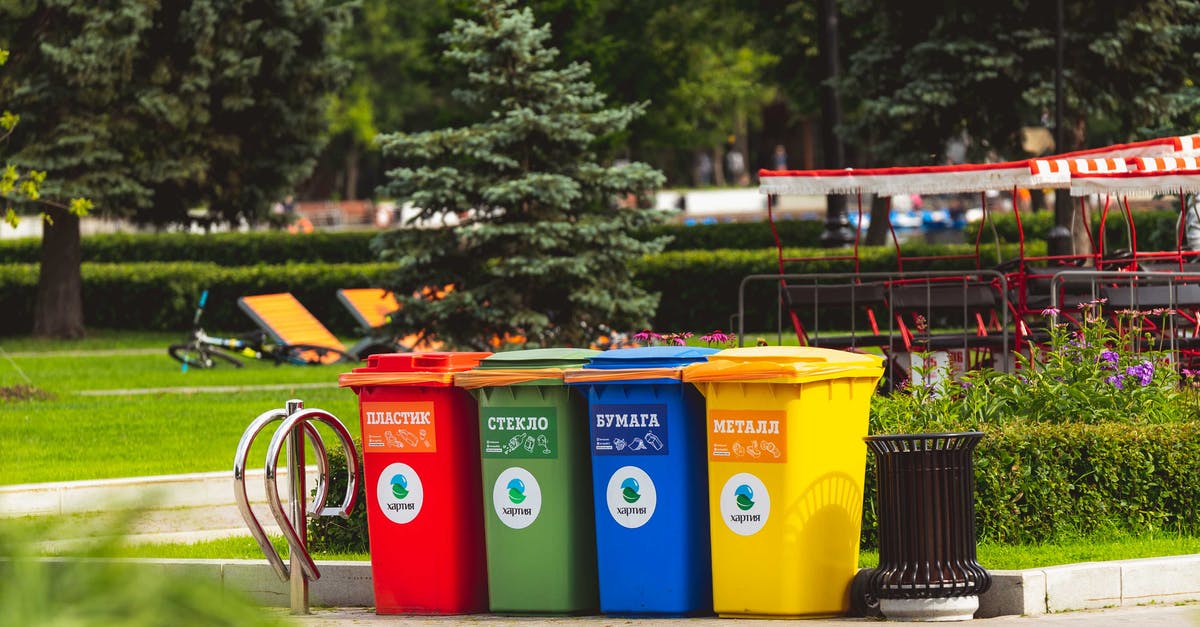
[539,358]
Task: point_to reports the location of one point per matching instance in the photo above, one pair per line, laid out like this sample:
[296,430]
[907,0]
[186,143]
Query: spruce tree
[540,240]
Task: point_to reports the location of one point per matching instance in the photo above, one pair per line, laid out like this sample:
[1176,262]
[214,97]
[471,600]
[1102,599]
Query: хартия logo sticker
[517,497]
[400,493]
[631,497]
[745,504]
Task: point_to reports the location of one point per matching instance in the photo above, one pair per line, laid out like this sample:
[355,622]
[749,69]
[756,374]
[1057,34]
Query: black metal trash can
[926,498]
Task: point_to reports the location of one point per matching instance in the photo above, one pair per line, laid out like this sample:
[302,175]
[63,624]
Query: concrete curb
[82,497]
[1092,585]
[342,584]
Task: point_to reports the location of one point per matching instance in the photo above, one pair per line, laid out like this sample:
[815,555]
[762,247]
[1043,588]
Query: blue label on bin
[629,429]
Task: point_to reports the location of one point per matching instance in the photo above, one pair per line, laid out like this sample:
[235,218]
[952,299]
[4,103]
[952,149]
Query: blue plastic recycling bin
[649,478]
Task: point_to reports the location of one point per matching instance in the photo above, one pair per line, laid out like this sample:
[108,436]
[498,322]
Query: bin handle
[597,375]
[485,378]
[350,379]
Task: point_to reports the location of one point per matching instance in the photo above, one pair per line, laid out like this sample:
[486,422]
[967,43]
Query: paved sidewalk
[1151,616]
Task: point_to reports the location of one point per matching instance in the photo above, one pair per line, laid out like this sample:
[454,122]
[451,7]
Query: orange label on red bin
[747,436]
[398,428]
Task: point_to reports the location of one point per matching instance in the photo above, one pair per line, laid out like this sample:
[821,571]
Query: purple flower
[1109,359]
[1050,311]
[1115,380]
[1143,371]
[716,337]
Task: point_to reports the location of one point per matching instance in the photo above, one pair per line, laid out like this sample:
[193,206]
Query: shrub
[1085,437]
[331,534]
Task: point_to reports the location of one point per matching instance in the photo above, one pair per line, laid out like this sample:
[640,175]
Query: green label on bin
[520,432]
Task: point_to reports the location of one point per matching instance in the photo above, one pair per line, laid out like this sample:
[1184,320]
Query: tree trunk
[877,233]
[58,310]
[719,166]
[351,164]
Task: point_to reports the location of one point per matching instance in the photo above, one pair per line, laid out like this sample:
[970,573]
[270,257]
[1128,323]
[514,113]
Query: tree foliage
[987,70]
[154,109]
[540,248]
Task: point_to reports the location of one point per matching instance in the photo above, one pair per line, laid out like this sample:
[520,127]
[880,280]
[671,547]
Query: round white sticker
[745,504]
[517,498]
[400,493]
[631,497]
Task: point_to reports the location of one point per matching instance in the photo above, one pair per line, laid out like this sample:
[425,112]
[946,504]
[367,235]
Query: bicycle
[206,351]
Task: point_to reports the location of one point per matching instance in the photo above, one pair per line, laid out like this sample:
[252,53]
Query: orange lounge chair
[291,325]
[372,309]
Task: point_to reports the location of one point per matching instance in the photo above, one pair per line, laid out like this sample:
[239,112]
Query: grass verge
[1072,551]
[65,436]
[991,556]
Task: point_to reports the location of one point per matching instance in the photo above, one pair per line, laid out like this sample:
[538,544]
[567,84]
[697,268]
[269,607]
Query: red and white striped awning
[1160,164]
[1159,147]
[1058,171]
[1140,183]
[1061,170]
[907,180]
[1146,176]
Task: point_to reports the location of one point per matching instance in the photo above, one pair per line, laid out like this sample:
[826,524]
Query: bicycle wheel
[200,356]
[312,355]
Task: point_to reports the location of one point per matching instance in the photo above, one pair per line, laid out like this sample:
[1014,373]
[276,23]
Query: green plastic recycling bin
[537,482]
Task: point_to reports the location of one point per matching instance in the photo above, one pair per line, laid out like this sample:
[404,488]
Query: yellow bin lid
[783,364]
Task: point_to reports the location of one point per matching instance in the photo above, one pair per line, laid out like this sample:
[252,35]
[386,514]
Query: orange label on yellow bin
[747,436]
[398,428]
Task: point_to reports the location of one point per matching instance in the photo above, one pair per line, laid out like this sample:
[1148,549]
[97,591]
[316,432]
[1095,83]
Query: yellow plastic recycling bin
[785,475]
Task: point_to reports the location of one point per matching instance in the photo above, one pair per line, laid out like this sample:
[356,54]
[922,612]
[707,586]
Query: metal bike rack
[296,423]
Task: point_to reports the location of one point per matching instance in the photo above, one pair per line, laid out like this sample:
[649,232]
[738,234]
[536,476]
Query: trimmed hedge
[1038,482]
[699,288]
[1156,229]
[275,247]
[163,296]
[226,249]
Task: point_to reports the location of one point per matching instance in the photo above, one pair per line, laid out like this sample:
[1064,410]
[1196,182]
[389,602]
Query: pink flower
[716,337]
[646,335]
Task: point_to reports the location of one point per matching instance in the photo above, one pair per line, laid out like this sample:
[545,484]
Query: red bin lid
[411,368]
[422,362]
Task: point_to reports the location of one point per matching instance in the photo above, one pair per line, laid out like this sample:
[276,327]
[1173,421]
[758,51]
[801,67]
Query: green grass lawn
[74,437]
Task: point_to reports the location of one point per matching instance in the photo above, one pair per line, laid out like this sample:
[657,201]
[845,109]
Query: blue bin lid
[650,357]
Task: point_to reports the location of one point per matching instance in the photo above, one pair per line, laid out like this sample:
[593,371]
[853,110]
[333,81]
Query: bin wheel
[862,600]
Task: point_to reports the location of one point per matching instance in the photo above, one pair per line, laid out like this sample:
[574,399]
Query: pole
[1058,240]
[295,464]
[837,231]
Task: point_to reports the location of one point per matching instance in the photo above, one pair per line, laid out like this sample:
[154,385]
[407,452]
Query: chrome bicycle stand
[296,423]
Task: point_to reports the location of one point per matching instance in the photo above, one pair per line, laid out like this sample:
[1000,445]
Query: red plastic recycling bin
[420,443]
